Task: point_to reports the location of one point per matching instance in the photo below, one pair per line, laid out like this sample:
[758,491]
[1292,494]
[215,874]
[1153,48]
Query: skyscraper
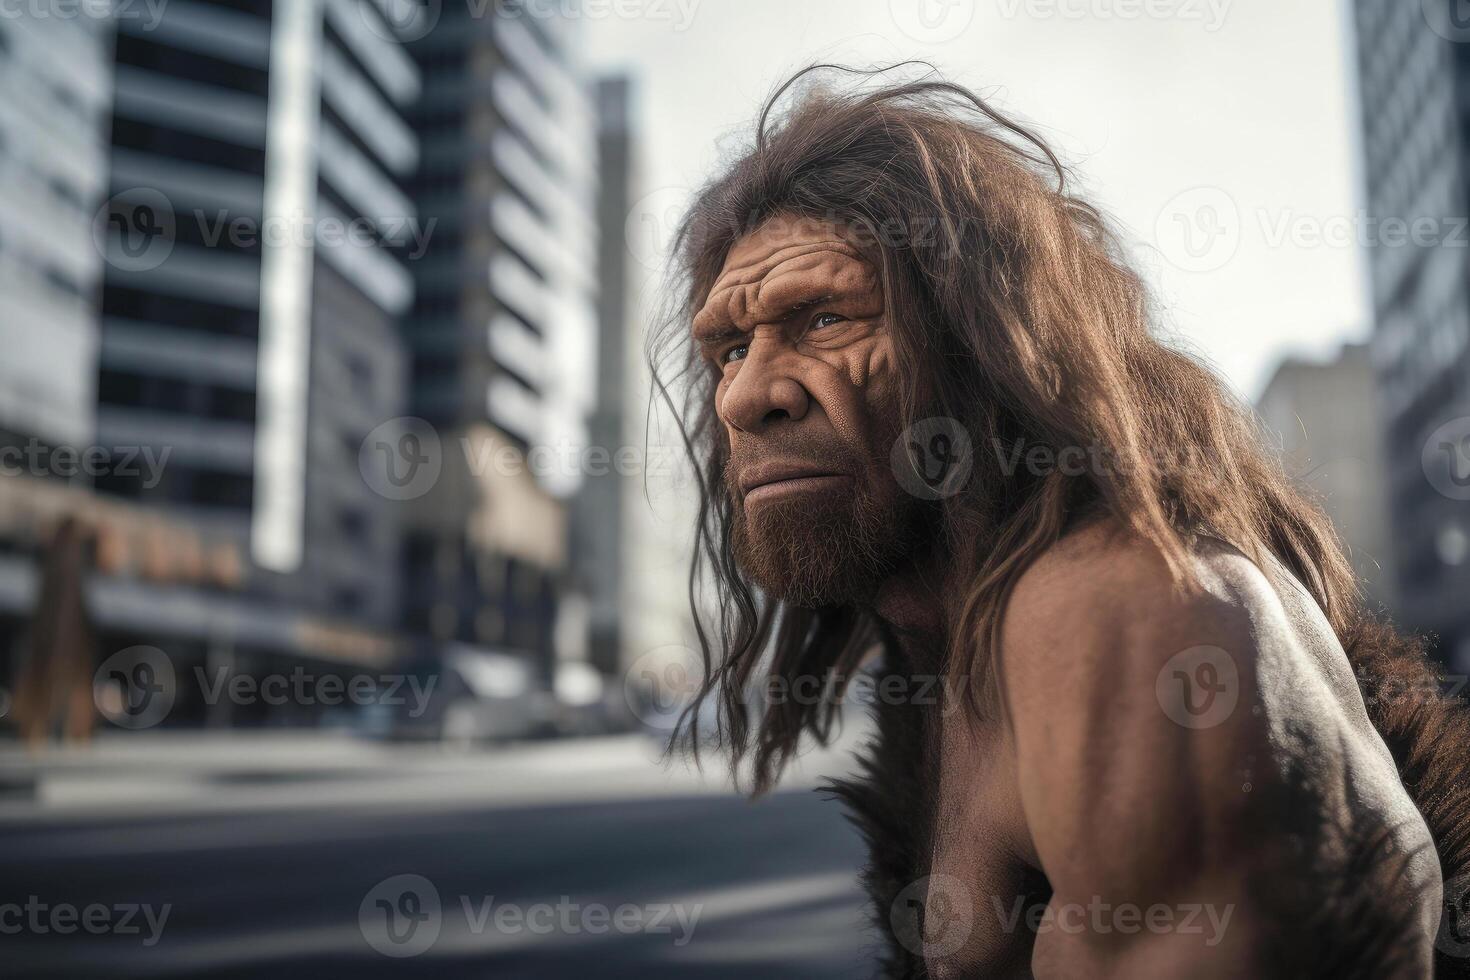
[502,335]
[298,223]
[1414,77]
[257,250]
[57,78]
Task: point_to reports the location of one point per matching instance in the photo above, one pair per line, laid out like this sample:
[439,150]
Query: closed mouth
[763,482]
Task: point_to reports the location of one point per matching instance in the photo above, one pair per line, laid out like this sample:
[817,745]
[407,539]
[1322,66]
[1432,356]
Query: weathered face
[796,325]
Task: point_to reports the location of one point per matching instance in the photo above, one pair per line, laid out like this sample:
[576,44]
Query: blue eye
[736,353]
[827,319]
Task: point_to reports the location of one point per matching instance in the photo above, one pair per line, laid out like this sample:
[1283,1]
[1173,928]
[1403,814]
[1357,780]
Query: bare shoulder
[1105,589]
[1100,624]
[1255,629]
[1217,727]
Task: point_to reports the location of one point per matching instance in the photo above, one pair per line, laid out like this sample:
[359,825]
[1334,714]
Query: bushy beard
[817,550]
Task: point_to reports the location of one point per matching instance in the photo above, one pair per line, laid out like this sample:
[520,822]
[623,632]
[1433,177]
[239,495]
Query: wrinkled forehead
[784,264]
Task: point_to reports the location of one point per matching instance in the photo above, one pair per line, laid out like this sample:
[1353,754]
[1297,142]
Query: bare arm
[1184,766]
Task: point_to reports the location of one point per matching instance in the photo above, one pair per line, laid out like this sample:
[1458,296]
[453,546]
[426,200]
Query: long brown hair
[1014,311]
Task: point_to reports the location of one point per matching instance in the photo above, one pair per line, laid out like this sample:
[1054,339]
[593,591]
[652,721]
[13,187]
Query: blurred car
[586,704]
[477,696]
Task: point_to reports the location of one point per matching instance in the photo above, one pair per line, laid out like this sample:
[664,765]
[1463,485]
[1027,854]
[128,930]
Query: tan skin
[1082,778]
[796,323]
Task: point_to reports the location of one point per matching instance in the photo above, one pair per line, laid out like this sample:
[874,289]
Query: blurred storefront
[168,587]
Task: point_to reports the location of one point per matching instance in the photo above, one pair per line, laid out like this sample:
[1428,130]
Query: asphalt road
[646,883]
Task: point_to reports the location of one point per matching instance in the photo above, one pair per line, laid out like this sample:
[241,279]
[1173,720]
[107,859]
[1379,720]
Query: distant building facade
[1414,72]
[238,240]
[55,110]
[266,238]
[1325,420]
[260,341]
[56,76]
[502,337]
[599,551]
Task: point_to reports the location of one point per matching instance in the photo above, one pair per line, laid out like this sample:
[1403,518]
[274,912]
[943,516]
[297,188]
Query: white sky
[1250,99]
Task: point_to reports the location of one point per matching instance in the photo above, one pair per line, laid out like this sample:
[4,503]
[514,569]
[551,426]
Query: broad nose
[764,389]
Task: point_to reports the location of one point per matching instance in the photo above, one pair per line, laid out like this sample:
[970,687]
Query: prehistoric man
[936,433]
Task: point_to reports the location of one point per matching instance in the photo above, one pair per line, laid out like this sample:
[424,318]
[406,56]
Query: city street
[269,856]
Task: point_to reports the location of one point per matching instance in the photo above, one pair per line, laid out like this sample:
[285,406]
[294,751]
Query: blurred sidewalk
[152,773]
